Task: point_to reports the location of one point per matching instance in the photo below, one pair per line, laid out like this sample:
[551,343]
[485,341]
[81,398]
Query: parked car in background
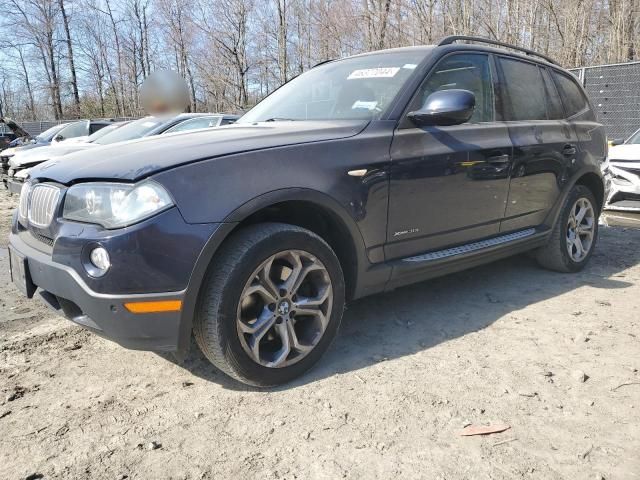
[11,134]
[80,128]
[6,137]
[52,136]
[359,176]
[43,139]
[20,164]
[622,172]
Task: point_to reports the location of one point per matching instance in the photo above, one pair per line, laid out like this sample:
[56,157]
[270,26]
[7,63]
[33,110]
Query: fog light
[100,259]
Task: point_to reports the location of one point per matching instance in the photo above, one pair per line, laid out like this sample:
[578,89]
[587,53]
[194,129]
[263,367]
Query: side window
[524,89]
[94,127]
[554,104]
[572,96]
[76,129]
[467,71]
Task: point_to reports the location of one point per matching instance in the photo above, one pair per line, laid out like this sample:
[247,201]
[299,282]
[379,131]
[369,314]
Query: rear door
[449,184]
[544,143]
[592,143]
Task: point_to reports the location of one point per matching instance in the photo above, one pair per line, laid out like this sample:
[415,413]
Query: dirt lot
[506,343]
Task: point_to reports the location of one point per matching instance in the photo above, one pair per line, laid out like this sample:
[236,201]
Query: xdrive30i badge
[406,232]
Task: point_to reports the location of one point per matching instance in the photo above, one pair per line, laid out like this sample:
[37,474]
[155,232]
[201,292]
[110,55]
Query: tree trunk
[282,39]
[72,67]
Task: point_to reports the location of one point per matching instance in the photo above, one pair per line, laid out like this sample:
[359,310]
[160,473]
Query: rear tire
[575,234]
[255,321]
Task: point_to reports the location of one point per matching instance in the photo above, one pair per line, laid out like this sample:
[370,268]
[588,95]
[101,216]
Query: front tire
[575,234]
[270,305]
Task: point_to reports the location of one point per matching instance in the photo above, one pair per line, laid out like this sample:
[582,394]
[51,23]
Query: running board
[471,247]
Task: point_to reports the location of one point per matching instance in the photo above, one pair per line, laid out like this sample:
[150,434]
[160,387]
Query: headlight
[23,174]
[23,206]
[115,205]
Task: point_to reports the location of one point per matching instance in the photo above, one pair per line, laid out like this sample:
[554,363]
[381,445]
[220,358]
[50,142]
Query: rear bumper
[65,291]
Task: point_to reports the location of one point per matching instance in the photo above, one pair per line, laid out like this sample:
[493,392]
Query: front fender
[234,219]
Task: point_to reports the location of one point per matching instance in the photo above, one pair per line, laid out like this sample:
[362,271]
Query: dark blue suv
[358,176]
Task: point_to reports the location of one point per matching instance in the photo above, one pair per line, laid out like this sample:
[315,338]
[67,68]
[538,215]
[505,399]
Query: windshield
[634,139]
[353,88]
[131,131]
[48,134]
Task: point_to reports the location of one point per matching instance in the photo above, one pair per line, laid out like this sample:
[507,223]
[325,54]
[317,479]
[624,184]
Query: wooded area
[87,58]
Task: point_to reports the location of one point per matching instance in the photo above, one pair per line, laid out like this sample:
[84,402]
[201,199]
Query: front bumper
[152,261]
[14,185]
[623,179]
[66,292]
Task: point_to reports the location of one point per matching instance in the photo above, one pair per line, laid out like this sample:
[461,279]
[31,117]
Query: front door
[449,185]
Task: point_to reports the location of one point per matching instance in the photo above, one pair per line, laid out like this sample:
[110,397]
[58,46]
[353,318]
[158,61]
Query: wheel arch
[302,207]
[590,177]
[594,183]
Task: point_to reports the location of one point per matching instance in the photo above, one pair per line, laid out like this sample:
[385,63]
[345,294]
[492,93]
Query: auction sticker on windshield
[380,72]
[360,104]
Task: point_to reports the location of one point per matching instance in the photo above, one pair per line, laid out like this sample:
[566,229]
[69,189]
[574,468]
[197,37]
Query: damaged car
[20,163]
[622,173]
[357,177]
[42,140]
[12,134]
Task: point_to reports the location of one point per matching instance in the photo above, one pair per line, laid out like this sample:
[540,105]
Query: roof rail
[456,38]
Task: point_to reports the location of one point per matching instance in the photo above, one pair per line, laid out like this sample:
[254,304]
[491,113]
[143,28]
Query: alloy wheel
[284,308]
[580,229]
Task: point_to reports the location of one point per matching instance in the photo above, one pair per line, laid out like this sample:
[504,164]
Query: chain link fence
[614,91]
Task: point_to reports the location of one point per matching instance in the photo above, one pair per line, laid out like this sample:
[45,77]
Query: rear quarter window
[554,104]
[572,96]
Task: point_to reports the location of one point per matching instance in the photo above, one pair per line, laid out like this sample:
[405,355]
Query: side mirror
[59,138]
[616,142]
[446,107]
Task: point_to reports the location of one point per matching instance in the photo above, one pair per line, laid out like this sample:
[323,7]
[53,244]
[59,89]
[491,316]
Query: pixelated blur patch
[164,91]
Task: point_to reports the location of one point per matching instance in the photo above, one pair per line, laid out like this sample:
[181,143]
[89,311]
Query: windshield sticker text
[380,72]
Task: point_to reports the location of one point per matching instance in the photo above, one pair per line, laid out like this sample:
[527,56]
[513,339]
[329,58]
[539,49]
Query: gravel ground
[554,357]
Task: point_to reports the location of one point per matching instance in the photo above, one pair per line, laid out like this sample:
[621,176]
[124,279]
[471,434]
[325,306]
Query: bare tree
[72,67]
[91,56]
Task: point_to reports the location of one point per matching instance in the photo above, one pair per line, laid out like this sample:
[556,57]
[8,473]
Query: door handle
[569,150]
[499,159]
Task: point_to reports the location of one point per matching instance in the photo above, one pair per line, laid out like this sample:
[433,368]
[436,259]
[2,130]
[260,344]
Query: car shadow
[418,317]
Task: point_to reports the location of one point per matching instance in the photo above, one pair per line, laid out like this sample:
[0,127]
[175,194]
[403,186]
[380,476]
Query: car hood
[24,148]
[9,152]
[624,152]
[30,157]
[137,159]
[15,128]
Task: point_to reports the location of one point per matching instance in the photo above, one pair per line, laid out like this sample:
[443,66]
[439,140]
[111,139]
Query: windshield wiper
[280,119]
